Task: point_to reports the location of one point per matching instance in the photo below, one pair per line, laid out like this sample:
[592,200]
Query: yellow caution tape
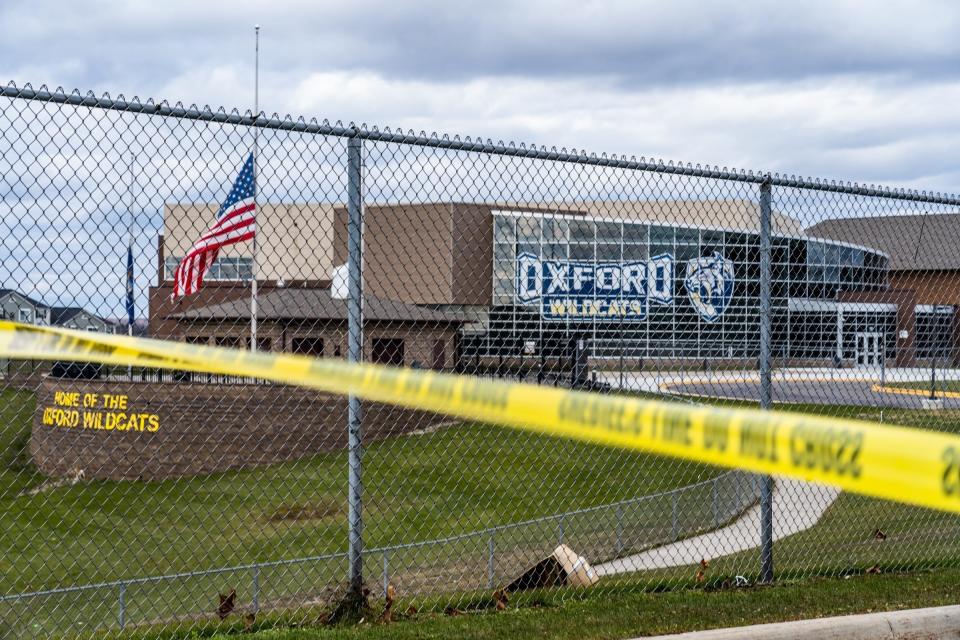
[909,465]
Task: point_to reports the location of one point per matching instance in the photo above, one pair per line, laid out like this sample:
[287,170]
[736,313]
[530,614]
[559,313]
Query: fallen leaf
[227,602]
[389,597]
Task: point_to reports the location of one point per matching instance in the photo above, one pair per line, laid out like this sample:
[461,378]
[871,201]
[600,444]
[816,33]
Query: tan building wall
[407,250]
[733,214]
[294,241]
[425,253]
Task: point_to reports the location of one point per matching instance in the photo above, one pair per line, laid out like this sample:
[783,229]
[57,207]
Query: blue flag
[130,307]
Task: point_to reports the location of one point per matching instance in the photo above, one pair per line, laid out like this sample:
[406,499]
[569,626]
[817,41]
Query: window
[26,315]
[264,344]
[388,351]
[197,340]
[934,332]
[439,354]
[223,268]
[228,341]
[307,346]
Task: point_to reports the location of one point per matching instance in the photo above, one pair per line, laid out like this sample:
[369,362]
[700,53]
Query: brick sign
[70,409]
[159,430]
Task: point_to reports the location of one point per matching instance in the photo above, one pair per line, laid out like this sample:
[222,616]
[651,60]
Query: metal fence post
[256,588]
[736,493]
[766,491]
[714,503]
[619,548]
[386,574]
[122,614]
[490,563]
[355,354]
[674,520]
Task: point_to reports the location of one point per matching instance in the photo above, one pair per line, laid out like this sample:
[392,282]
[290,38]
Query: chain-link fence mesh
[134,497]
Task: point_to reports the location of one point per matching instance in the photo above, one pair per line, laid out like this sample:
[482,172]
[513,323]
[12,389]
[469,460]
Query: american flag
[236,222]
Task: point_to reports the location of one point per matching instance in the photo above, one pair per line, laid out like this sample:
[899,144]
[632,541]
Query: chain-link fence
[134,497]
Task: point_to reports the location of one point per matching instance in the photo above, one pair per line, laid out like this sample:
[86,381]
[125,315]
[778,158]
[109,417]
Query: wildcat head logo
[709,284]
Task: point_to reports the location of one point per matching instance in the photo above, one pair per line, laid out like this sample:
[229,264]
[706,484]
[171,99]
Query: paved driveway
[845,392]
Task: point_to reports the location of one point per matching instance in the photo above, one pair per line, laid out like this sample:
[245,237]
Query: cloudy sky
[855,91]
[852,90]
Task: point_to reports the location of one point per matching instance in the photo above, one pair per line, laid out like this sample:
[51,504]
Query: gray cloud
[838,89]
[641,43]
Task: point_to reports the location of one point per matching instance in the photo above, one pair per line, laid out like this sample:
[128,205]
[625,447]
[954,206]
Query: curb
[913,392]
[912,624]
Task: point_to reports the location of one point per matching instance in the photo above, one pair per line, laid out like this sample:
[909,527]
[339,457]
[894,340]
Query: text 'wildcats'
[622,291]
[594,289]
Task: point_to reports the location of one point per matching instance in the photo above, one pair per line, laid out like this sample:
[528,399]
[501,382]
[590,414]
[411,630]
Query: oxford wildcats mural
[586,290]
[620,290]
[709,285]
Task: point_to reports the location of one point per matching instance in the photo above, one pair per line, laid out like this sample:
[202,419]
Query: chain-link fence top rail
[489,259]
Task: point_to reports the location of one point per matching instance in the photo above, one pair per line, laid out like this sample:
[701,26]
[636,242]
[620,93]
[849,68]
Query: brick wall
[204,428]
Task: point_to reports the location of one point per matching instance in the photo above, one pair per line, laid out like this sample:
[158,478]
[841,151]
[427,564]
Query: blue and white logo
[709,283]
[594,290]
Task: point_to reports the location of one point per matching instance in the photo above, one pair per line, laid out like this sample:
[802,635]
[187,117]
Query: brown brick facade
[203,428]
[907,290]
[423,341]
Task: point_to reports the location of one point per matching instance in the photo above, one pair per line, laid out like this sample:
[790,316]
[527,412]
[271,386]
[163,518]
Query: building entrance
[869,349]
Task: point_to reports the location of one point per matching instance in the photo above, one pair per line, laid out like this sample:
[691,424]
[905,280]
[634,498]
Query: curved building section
[657,290]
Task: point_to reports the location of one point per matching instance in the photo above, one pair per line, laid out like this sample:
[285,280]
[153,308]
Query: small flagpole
[129,244]
[256,187]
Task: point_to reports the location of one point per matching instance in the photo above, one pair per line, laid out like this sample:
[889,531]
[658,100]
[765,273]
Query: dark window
[934,333]
[388,351]
[229,341]
[197,340]
[439,354]
[307,346]
[264,344]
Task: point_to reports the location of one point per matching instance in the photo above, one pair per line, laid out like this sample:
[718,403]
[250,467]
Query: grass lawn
[844,540]
[455,480]
[617,611]
[420,487]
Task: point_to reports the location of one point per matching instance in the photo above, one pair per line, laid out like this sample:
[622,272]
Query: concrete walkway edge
[797,505]
[911,624]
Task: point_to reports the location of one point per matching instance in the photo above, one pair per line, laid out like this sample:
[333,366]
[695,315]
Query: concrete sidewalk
[797,506]
[930,624]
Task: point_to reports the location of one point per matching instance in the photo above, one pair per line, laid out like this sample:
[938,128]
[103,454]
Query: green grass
[459,479]
[416,488]
[612,612]
[16,469]
[843,540]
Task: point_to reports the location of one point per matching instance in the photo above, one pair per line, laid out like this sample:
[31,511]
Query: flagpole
[256,135]
[129,248]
